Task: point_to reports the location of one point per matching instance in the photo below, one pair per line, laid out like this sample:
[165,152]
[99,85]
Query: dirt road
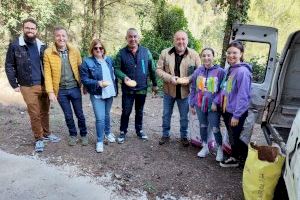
[135,166]
[27,177]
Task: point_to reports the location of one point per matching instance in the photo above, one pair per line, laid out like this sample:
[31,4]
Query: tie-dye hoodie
[236,87]
[205,87]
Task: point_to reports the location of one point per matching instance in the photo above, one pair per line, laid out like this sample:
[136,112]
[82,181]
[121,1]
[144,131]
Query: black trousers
[239,150]
[127,104]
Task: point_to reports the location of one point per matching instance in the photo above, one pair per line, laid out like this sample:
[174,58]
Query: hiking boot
[99,147]
[52,138]
[39,146]
[184,142]
[121,138]
[84,141]
[204,151]
[220,154]
[230,162]
[164,140]
[110,137]
[142,135]
[72,141]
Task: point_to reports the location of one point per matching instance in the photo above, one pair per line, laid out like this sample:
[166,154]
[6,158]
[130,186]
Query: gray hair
[58,28]
[132,30]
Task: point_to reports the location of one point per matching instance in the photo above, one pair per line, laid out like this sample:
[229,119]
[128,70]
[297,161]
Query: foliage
[168,20]
[94,19]
[47,13]
[155,43]
[205,20]
[237,11]
[259,68]
[278,14]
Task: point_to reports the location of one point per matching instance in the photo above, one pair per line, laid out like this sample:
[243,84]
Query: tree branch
[108,4]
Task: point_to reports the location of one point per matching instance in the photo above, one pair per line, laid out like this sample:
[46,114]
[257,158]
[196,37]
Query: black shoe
[185,142]
[230,162]
[142,135]
[121,138]
[163,140]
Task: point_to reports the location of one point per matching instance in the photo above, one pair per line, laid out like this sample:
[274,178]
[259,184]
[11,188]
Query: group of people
[58,74]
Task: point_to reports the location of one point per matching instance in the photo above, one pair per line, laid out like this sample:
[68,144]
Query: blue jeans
[127,104]
[211,119]
[183,107]
[66,97]
[101,109]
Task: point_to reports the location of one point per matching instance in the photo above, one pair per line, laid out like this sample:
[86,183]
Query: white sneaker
[220,155]
[99,147]
[111,138]
[204,151]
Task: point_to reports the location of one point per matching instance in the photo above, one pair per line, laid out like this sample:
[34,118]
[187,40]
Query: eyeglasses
[96,48]
[232,53]
[28,28]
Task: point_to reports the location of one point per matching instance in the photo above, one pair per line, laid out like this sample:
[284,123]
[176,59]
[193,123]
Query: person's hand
[17,89]
[174,80]
[126,79]
[234,122]
[186,81]
[213,107]
[154,90]
[100,83]
[84,90]
[193,110]
[52,97]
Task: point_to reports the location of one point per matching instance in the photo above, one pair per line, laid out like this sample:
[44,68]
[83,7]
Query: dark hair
[94,43]
[208,48]
[237,44]
[31,20]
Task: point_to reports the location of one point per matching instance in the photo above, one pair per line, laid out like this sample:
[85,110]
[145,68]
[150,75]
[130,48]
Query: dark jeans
[66,97]
[239,149]
[127,104]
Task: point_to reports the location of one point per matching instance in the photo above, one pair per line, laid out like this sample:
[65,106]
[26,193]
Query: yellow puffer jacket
[52,67]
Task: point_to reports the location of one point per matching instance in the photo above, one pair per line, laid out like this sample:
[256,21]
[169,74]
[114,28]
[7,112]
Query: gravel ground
[169,171]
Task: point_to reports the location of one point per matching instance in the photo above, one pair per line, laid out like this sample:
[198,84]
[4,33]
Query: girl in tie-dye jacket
[205,98]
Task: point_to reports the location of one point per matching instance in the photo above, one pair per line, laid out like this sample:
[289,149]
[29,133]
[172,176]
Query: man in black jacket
[24,70]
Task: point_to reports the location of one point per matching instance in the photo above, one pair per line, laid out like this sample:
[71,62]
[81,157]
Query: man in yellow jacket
[62,81]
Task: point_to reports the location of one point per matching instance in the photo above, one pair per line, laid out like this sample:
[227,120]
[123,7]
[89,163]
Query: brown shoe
[163,140]
[184,142]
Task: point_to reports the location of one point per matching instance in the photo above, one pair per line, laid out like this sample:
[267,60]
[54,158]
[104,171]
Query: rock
[117,176]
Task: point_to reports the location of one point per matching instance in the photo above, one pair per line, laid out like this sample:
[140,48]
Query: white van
[275,93]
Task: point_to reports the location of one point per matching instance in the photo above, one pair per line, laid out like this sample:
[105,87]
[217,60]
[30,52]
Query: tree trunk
[237,13]
[94,24]
[101,18]
[85,30]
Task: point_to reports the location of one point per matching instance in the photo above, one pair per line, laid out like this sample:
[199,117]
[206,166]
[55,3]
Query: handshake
[180,80]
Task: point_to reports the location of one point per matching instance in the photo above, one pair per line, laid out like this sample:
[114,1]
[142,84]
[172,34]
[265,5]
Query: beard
[29,39]
[180,49]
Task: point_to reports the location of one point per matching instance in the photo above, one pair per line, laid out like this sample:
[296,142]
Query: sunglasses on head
[96,48]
